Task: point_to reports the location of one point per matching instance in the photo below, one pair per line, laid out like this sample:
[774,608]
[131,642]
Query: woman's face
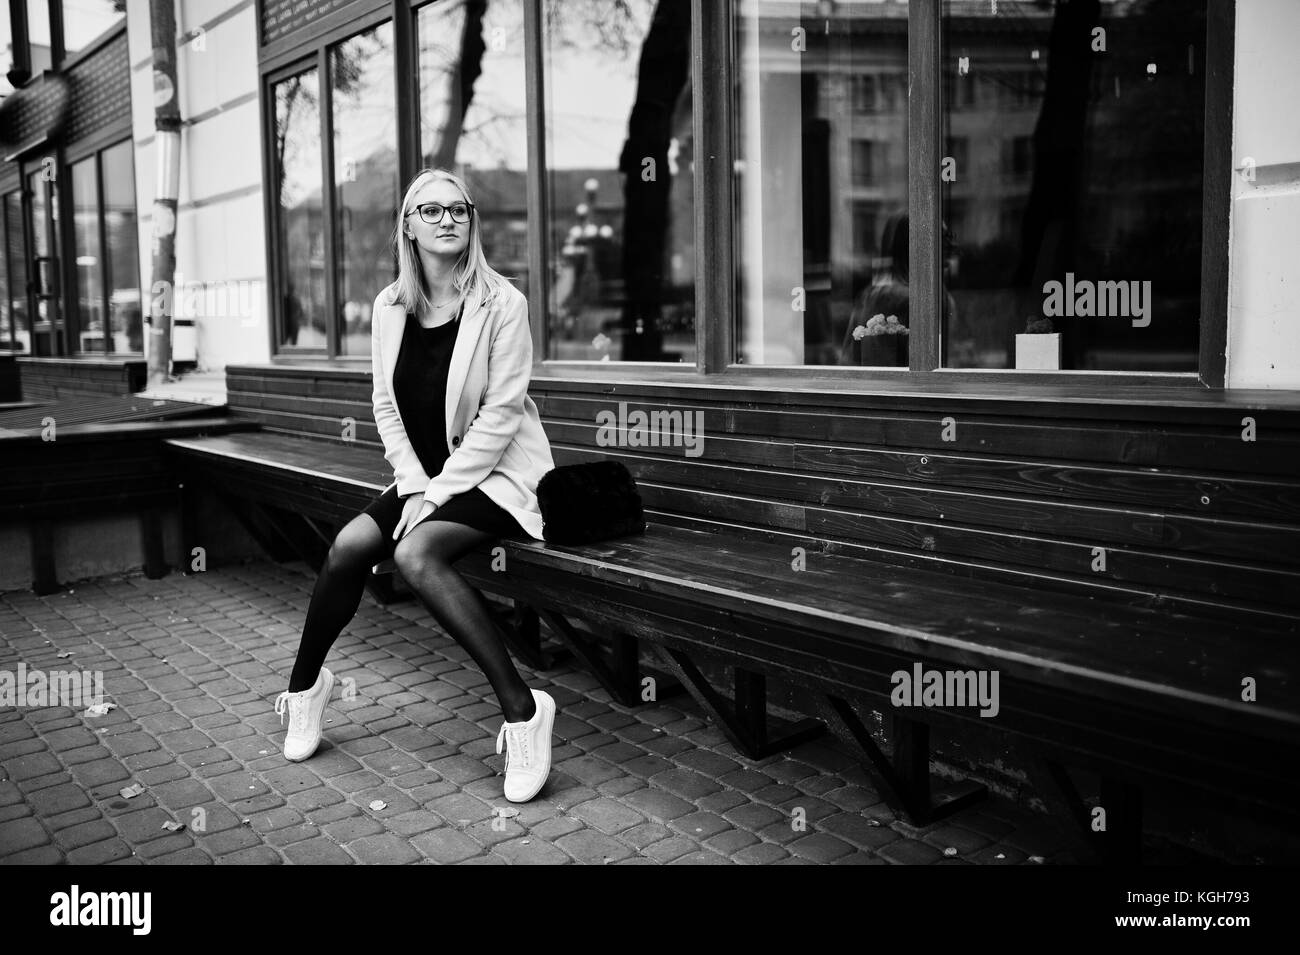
[448,237]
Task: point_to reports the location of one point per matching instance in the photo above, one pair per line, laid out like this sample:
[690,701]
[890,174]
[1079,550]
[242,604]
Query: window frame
[713,78]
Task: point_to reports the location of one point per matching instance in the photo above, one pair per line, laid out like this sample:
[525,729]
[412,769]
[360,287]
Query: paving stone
[99,853]
[731,841]
[20,834]
[701,857]
[318,851]
[38,855]
[957,837]
[658,805]
[32,766]
[255,855]
[722,801]
[668,849]
[99,772]
[819,847]
[589,846]
[58,799]
[910,852]
[530,851]
[607,815]
[589,770]
[552,829]
[385,849]
[460,809]
[446,845]
[685,783]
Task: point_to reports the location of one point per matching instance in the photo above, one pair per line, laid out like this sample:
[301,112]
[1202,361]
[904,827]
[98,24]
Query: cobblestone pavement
[194,664]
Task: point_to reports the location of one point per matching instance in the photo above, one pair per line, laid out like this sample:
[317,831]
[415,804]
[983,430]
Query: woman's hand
[415,509]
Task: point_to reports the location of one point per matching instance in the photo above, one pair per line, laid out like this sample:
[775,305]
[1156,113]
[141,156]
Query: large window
[365,178]
[299,218]
[474,120]
[1075,213]
[14,335]
[121,249]
[106,259]
[821,184]
[866,188]
[619,195]
[89,261]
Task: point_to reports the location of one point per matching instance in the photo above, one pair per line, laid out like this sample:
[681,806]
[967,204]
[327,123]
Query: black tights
[425,557]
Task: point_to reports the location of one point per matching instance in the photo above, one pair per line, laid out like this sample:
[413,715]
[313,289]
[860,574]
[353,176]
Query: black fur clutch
[595,501]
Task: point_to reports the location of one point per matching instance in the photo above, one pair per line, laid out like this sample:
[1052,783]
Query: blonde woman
[452,354]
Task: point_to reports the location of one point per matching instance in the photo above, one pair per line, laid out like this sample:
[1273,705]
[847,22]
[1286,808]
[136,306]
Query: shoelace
[296,703]
[519,751]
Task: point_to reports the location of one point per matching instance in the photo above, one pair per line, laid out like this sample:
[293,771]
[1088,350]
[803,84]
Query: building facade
[846,193]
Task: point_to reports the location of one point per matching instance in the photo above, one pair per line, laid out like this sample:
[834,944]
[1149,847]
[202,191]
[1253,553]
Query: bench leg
[381,588]
[273,543]
[1120,843]
[619,675]
[905,777]
[743,720]
[522,629]
[155,564]
[1122,840]
[45,579]
[189,508]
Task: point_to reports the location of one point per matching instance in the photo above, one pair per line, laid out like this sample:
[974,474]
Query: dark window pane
[1080,202]
[821,183]
[89,303]
[122,252]
[365,178]
[300,230]
[619,153]
[16,260]
[473,118]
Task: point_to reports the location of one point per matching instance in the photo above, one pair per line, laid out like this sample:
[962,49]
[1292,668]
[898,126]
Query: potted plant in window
[1038,347]
[882,341]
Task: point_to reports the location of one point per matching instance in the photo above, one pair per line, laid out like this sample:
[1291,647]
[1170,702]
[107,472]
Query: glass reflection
[473,117]
[122,252]
[1076,132]
[365,178]
[619,180]
[300,232]
[821,183]
[89,267]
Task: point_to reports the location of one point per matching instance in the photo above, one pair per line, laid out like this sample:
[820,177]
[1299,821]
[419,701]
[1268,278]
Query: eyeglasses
[432,212]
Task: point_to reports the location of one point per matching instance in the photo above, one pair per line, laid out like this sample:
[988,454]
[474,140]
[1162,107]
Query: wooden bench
[93,470]
[1123,567]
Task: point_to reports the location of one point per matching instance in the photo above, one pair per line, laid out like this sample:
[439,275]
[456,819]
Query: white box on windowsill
[1038,351]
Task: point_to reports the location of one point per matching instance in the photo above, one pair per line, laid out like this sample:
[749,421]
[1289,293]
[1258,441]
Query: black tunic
[420,388]
[420,392]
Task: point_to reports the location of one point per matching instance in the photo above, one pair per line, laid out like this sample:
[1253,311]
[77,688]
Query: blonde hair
[472,277]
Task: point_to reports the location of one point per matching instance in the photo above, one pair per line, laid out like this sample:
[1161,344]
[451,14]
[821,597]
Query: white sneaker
[528,756]
[306,713]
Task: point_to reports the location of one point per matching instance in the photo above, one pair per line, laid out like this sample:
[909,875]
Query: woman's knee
[356,546]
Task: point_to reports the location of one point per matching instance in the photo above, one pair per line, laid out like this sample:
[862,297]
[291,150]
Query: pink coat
[494,432]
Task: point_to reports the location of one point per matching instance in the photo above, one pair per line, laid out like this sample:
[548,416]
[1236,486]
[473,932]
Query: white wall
[1264,273]
[221,234]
